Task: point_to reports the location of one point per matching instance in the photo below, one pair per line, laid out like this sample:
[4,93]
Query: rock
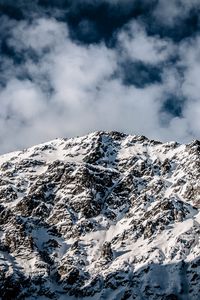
[104,215]
[106,251]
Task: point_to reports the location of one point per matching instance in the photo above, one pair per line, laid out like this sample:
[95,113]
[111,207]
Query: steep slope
[104,216]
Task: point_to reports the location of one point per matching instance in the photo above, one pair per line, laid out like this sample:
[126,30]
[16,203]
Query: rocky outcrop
[105,216]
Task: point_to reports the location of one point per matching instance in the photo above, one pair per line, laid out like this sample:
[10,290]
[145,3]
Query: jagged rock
[106,251]
[105,216]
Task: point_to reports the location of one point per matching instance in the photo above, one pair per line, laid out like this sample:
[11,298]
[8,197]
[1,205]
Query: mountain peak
[104,216]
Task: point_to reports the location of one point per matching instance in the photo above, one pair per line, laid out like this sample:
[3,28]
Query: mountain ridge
[103,216]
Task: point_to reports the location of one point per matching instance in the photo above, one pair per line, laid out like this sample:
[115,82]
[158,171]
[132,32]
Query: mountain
[103,216]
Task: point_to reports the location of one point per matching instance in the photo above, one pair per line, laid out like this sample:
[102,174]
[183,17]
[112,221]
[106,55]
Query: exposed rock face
[105,216]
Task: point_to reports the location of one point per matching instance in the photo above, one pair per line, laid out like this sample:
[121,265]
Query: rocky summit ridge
[103,216]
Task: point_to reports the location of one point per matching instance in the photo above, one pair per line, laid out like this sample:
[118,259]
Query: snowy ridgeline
[104,216]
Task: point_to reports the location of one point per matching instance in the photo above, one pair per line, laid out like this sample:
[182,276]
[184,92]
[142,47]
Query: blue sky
[73,67]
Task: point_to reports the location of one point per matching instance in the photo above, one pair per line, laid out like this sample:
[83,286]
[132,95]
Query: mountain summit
[103,216]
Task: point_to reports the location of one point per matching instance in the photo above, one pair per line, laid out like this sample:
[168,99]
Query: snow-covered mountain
[104,216]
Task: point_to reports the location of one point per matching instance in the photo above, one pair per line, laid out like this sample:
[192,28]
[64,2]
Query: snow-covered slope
[104,216]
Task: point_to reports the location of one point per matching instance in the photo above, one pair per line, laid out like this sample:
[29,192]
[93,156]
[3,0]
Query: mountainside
[104,216]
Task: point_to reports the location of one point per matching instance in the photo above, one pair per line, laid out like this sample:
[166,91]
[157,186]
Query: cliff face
[104,216]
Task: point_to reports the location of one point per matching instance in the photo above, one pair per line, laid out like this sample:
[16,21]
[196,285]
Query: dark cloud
[13,13]
[106,17]
[140,74]
[91,21]
[173,106]
[179,30]
[94,21]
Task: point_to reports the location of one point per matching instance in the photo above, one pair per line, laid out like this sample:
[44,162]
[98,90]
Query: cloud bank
[64,73]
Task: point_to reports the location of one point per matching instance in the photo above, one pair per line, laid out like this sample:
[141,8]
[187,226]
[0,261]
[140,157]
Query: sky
[71,67]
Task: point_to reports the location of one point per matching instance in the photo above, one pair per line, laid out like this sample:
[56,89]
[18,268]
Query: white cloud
[169,12]
[22,98]
[86,94]
[137,45]
[41,34]
[190,61]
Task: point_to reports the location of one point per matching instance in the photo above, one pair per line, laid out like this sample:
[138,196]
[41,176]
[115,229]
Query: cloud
[137,45]
[39,35]
[54,85]
[73,72]
[174,11]
[190,54]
